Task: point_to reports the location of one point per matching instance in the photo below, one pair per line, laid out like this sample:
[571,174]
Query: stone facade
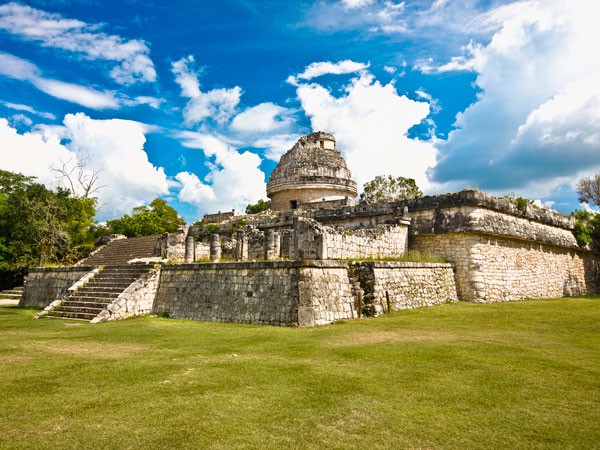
[298,293]
[493,268]
[391,285]
[44,285]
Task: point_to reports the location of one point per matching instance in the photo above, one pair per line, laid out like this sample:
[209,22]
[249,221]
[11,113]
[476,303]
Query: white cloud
[318,69]
[353,4]
[53,30]
[234,179]
[21,119]
[217,104]
[262,118]
[31,153]
[370,123]
[21,69]
[114,148]
[277,145]
[29,109]
[536,124]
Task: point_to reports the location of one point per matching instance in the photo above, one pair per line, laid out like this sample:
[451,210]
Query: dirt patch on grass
[381,337]
[93,349]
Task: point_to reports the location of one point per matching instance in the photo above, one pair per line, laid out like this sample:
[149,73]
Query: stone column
[276,245]
[269,244]
[287,244]
[190,246]
[215,247]
[241,248]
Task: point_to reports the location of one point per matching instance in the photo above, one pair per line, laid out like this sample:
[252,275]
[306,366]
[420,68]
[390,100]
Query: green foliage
[212,228]
[39,226]
[587,227]
[514,375]
[390,188]
[157,218]
[260,206]
[522,203]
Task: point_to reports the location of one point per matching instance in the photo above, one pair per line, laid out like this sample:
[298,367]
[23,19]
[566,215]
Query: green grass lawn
[520,375]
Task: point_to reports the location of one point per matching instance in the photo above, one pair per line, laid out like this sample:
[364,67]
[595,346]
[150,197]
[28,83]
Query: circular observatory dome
[312,170]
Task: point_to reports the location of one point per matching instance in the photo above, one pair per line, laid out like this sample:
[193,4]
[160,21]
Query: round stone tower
[312,170]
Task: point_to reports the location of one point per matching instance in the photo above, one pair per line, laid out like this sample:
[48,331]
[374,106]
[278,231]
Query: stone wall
[390,285]
[44,285]
[316,241]
[298,293]
[493,268]
[273,293]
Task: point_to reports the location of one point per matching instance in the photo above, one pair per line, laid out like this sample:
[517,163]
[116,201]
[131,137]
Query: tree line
[41,226]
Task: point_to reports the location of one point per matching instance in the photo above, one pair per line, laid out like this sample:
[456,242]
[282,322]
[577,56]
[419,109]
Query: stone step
[71,315]
[79,309]
[92,289]
[85,304]
[107,295]
[10,296]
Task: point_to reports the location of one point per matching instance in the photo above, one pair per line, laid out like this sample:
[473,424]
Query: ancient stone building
[319,256]
[312,170]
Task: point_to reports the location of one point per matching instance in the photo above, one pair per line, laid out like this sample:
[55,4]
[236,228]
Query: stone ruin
[319,256]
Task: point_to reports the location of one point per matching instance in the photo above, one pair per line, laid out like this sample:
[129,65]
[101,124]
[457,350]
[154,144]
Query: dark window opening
[294,204]
[322,144]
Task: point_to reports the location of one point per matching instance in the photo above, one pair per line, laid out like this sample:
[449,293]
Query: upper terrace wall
[491,268]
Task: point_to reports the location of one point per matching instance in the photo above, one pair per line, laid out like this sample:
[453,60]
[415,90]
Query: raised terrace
[319,256]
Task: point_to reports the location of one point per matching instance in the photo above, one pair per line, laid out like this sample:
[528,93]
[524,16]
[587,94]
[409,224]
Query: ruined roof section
[314,159]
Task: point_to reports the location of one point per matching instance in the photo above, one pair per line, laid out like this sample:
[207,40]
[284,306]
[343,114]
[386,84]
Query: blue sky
[194,101]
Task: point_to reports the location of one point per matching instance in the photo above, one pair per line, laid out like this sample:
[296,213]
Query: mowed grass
[521,375]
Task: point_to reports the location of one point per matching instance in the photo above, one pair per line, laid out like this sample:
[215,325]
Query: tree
[260,206]
[157,218]
[390,188]
[81,181]
[589,190]
[40,226]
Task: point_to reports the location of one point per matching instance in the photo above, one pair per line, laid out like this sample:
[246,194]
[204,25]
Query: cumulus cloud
[318,69]
[20,69]
[371,122]
[262,118]
[55,31]
[217,104]
[112,148]
[275,146]
[536,123]
[234,179]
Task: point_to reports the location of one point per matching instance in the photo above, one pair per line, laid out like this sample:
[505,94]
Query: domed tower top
[312,170]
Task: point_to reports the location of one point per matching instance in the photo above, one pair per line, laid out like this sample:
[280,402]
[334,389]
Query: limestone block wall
[405,285]
[273,293]
[261,293]
[493,268]
[377,242]
[136,300]
[324,295]
[316,241]
[44,285]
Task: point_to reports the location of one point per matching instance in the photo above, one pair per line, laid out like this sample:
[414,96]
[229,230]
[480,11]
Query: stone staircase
[13,294]
[120,251]
[99,292]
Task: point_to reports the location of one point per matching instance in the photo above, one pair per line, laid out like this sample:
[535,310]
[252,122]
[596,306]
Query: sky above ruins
[194,101]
